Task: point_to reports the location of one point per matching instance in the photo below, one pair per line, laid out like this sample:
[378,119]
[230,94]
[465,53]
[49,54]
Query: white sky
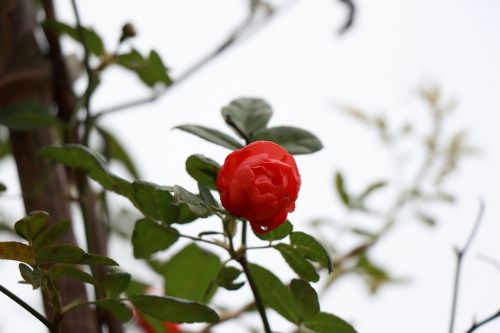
[303,68]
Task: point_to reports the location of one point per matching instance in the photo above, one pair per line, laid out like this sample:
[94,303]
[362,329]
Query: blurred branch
[489,260]
[250,25]
[486,320]
[460,253]
[351,7]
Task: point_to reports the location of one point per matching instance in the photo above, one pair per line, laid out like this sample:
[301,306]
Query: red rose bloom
[259,182]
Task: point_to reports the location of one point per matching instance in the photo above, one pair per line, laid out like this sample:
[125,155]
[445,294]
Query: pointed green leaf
[119,309]
[155,202]
[279,233]
[149,237]
[92,40]
[25,116]
[311,248]
[98,260]
[150,69]
[16,251]
[174,310]
[341,190]
[297,262]
[250,115]
[329,323]
[63,270]
[274,293]
[114,150]
[193,201]
[226,278]
[189,273]
[371,189]
[211,135]
[50,234]
[203,169]
[31,225]
[295,140]
[78,156]
[116,282]
[306,299]
[3,188]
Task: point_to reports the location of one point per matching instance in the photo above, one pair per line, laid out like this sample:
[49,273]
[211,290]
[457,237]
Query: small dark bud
[128,31]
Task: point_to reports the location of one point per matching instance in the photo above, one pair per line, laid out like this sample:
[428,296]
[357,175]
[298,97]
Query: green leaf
[295,140]
[425,218]
[207,196]
[50,234]
[116,282]
[149,237]
[16,251]
[274,293]
[375,275]
[193,201]
[155,202]
[211,135]
[31,225]
[297,262]
[226,278]
[249,115]
[33,277]
[62,270]
[311,248]
[174,310]
[150,70]
[203,169]
[306,299]
[114,150]
[341,190]
[25,116]
[279,233]
[4,147]
[3,188]
[92,40]
[189,273]
[60,253]
[120,310]
[98,260]
[328,323]
[136,287]
[79,156]
[371,189]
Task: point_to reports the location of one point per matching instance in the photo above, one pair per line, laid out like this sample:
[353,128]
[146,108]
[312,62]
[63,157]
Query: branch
[28,308]
[460,253]
[486,320]
[244,30]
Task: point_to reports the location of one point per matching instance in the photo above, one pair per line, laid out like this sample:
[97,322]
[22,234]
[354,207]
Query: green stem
[246,269]
[28,308]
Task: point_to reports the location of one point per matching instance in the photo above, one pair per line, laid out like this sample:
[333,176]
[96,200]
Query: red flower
[259,182]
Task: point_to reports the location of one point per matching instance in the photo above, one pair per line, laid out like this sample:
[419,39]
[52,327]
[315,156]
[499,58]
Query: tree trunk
[26,76]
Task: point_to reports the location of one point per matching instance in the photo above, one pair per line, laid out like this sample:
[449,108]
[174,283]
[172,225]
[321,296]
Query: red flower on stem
[259,182]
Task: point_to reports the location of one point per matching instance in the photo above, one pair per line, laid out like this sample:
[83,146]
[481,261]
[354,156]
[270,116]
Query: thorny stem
[28,308]
[460,253]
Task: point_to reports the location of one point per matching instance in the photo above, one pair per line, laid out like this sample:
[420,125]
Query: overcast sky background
[303,68]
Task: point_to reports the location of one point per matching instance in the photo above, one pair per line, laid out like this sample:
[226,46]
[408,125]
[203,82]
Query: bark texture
[25,75]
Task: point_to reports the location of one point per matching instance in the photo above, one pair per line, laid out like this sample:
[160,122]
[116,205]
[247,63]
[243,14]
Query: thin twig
[460,254]
[28,308]
[486,320]
[243,31]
